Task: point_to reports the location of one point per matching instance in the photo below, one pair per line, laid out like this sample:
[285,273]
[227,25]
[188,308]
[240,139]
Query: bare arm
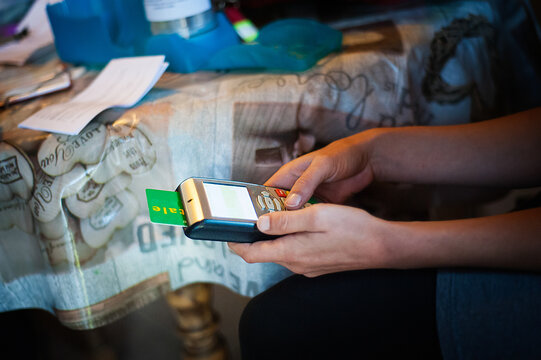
[328,238]
[500,152]
[510,241]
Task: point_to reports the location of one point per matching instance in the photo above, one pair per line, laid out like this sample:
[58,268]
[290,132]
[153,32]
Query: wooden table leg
[198,323]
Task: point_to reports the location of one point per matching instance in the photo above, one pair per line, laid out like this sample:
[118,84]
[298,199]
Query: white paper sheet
[39,36]
[122,83]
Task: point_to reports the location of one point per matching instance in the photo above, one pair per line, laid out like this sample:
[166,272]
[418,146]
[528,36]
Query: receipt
[122,83]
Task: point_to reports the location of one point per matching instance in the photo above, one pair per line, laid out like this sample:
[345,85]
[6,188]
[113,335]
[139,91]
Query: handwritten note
[122,83]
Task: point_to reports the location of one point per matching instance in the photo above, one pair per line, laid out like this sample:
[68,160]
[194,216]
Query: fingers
[282,251]
[259,252]
[339,191]
[302,176]
[316,173]
[290,222]
[286,176]
[287,223]
[334,163]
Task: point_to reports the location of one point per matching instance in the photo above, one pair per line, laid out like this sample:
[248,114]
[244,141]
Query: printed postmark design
[107,213]
[9,170]
[90,191]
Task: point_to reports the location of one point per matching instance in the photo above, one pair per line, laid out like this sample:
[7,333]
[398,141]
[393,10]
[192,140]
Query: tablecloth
[75,235]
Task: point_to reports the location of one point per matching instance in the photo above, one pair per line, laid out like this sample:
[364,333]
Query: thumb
[288,222]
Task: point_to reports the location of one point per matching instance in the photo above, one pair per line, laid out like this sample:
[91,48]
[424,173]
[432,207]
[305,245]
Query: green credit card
[165,207]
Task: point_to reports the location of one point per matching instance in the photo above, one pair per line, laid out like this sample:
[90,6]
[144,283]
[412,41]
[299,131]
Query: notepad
[122,83]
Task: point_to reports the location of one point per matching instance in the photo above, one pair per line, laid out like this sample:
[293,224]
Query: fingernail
[263,223]
[293,200]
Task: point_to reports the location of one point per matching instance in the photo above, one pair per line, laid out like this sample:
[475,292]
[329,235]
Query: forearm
[500,152]
[504,241]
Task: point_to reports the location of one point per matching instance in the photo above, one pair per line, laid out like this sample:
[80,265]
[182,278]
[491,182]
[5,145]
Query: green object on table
[285,45]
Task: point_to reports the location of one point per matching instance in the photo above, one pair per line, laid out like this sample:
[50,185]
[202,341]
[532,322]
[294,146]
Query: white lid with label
[167,10]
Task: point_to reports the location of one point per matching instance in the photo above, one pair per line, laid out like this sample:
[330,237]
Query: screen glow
[228,201]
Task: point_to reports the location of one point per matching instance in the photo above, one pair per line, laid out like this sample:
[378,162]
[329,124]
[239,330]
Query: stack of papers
[122,83]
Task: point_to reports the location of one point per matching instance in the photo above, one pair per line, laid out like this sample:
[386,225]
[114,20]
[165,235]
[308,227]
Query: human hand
[320,239]
[334,172]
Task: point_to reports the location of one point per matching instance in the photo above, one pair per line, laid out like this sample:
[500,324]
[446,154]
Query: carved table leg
[198,323]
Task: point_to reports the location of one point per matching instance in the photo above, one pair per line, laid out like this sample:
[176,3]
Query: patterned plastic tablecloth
[75,235]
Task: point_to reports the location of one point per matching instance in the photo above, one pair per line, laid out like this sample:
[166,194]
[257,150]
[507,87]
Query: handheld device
[221,210]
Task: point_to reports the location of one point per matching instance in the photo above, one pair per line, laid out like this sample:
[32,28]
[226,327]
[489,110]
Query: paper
[122,83]
[39,36]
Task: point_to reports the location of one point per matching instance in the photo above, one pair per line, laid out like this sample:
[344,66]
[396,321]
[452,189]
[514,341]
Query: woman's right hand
[334,172]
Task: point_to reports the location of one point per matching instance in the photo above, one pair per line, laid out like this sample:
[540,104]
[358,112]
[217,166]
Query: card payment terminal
[218,209]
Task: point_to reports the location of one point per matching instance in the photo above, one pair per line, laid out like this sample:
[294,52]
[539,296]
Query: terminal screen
[229,201]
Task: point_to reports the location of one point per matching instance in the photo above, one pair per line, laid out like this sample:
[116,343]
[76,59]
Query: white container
[187,18]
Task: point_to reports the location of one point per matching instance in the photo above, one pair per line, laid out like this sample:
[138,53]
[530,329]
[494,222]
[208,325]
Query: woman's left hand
[320,239]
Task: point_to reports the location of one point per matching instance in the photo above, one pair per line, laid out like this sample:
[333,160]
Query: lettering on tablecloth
[151,238]
[67,146]
[107,213]
[9,170]
[90,191]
